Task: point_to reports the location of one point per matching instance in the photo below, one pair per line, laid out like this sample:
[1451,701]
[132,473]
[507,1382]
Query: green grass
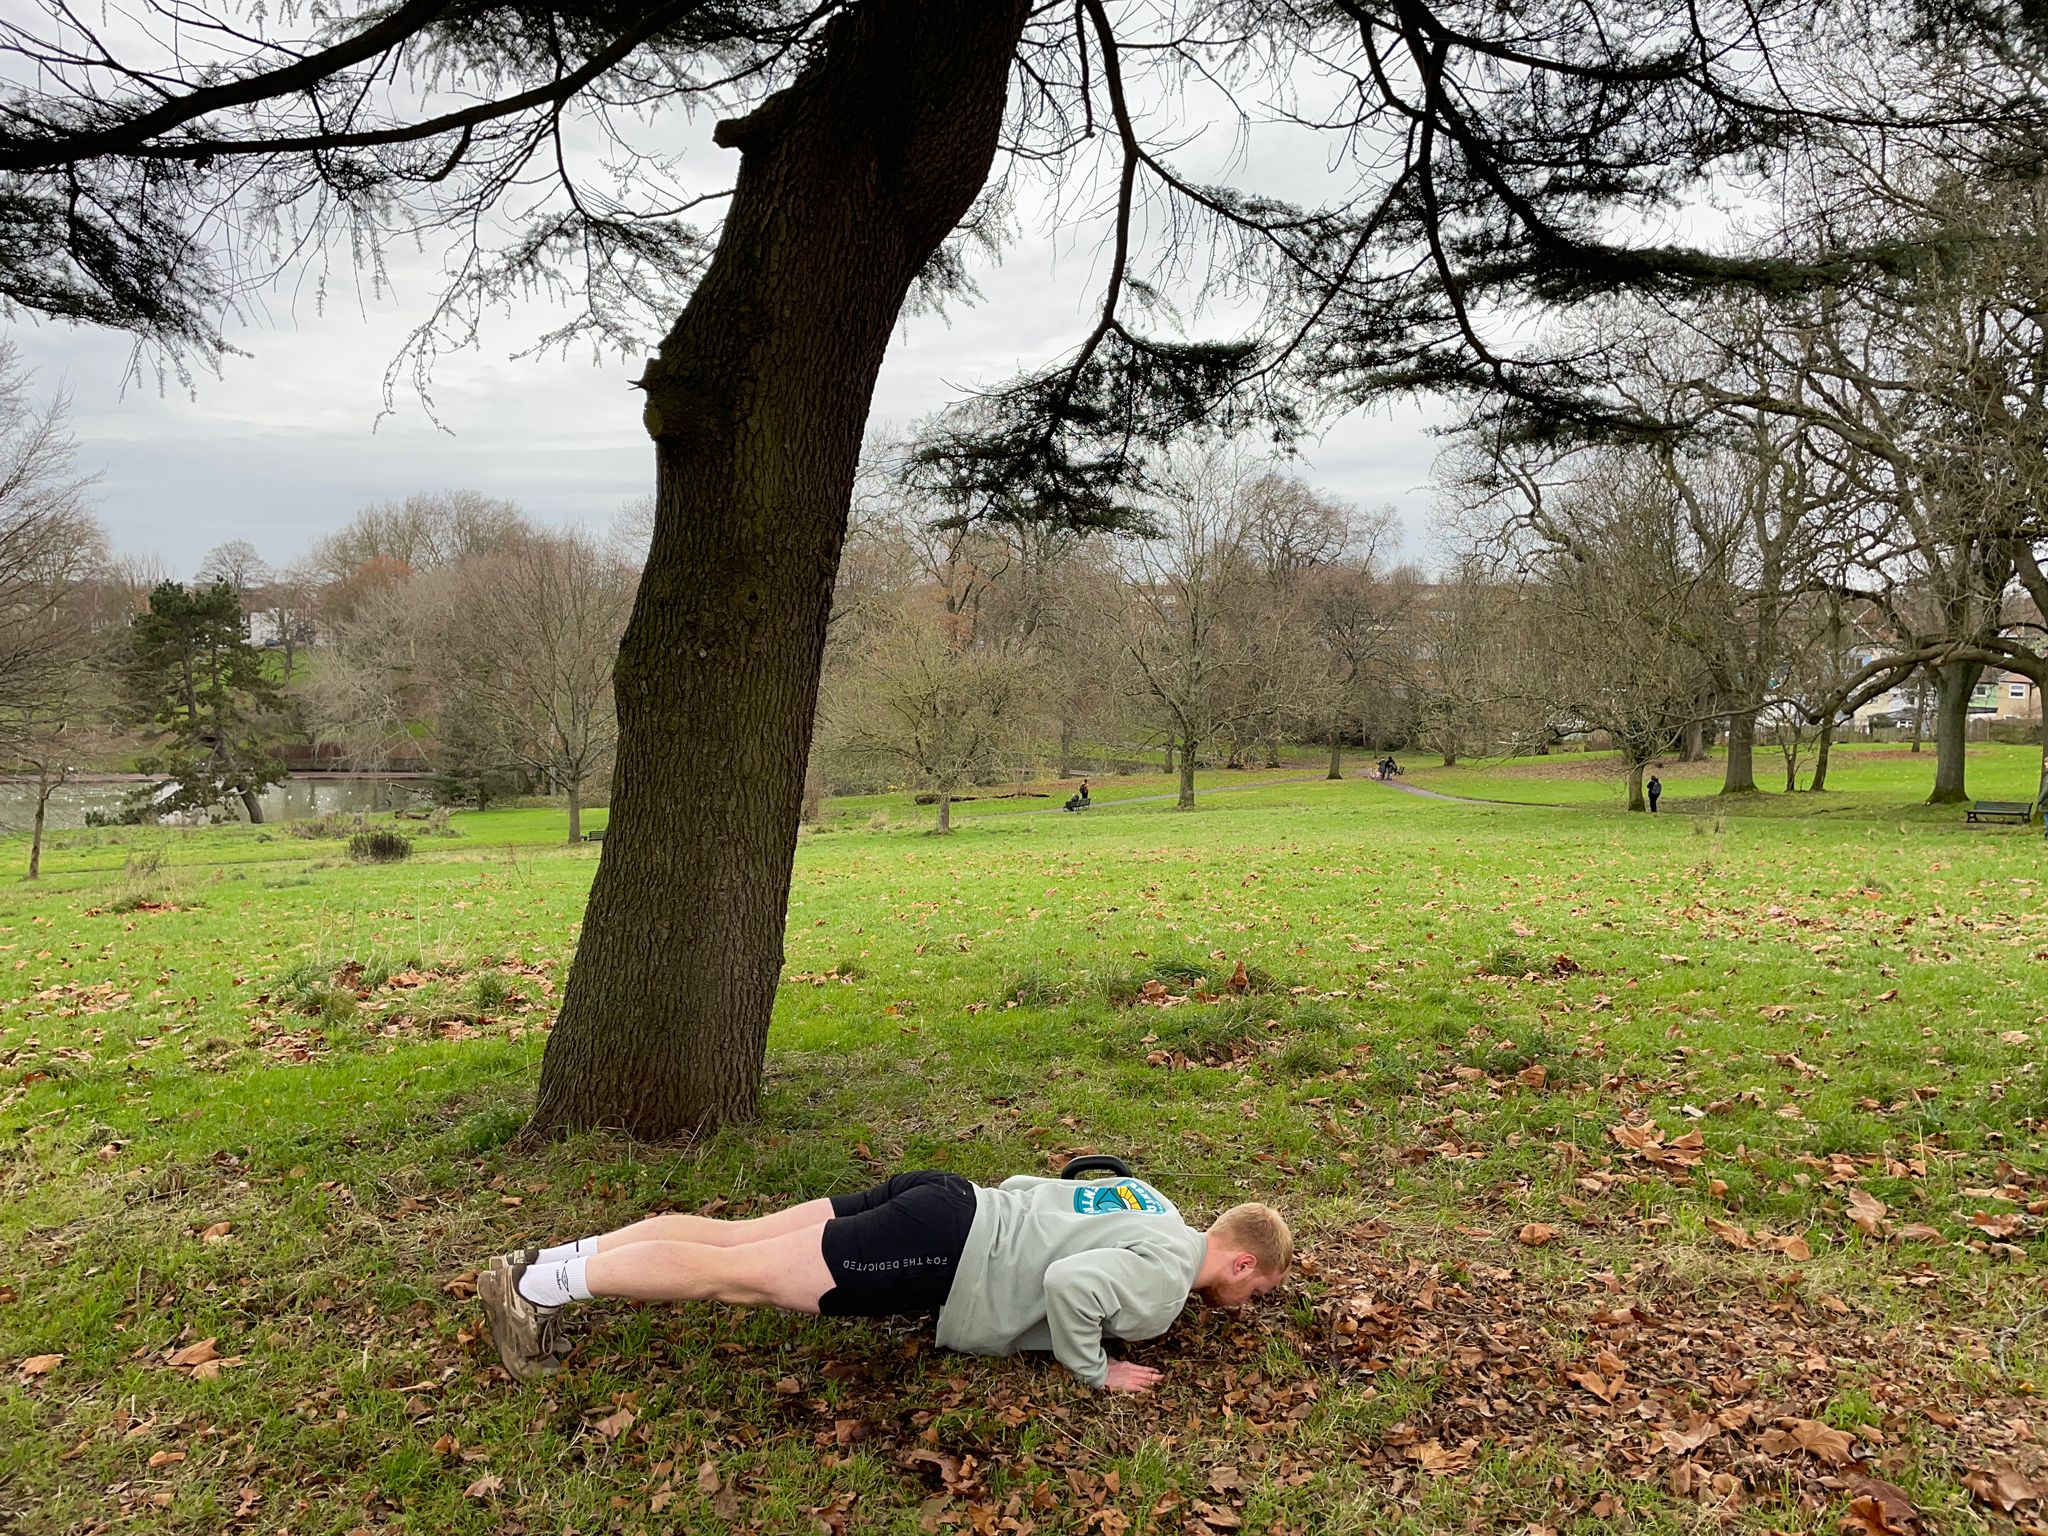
[1863,779]
[1449,1011]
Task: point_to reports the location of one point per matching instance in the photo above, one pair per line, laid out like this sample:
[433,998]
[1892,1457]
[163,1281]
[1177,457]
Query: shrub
[380,847]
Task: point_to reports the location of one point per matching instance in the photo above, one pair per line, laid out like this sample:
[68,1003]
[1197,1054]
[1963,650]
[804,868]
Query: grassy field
[1651,1173]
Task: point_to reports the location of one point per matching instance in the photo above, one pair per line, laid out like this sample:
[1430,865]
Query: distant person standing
[1656,788]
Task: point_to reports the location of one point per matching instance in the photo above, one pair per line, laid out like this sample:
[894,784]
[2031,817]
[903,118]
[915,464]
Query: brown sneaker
[527,1334]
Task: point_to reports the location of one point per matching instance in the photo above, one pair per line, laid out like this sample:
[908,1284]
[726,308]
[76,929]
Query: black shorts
[894,1248]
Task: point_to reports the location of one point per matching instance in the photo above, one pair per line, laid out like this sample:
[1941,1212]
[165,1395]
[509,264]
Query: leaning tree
[158,157]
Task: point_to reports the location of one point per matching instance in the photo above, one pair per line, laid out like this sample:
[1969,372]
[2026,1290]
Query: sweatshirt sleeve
[1122,1292]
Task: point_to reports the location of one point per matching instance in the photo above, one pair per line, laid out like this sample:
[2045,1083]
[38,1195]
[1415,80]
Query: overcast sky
[286,443]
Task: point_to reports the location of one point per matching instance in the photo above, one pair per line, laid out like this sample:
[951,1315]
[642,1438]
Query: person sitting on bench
[1034,1263]
[1079,801]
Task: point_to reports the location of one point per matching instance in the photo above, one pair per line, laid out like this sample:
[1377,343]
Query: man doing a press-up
[1030,1264]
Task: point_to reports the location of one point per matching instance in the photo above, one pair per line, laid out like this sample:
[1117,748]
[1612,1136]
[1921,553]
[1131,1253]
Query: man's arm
[1127,1292]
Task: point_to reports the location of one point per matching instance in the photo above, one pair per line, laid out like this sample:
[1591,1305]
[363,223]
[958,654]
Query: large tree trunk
[945,812]
[576,810]
[1637,801]
[1695,738]
[1336,756]
[1186,802]
[1820,758]
[849,180]
[253,806]
[1952,685]
[1739,777]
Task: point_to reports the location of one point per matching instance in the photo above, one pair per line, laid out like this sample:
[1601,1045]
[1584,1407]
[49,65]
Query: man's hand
[1127,1377]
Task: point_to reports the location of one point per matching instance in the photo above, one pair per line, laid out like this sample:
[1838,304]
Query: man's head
[1250,1252]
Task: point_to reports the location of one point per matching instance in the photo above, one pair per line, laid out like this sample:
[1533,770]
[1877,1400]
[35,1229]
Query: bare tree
[51,551]
[933,697]
[238,565]
[535,636]
[1358,609]
[1187,629]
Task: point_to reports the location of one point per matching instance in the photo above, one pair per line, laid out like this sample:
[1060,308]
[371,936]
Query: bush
[380,847]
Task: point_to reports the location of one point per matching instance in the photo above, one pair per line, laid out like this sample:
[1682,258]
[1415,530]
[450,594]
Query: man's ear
[1244,1264]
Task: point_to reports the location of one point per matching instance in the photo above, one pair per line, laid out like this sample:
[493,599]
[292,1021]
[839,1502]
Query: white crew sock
[582,1248]
[556,1284]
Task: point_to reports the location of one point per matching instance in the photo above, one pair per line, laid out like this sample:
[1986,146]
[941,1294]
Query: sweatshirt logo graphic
[1103,1199]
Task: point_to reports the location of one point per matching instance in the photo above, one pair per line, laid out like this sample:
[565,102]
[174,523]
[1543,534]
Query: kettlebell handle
[1096,1162]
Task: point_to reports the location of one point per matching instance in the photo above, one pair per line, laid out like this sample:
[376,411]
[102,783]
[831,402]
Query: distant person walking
[1656,788]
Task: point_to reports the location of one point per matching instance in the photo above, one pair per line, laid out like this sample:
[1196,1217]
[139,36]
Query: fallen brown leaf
[194,1354]
[1535,1234]
[1866,1211]
[1833,1446]
[484,1487]
[2004,1488]
[40,1365]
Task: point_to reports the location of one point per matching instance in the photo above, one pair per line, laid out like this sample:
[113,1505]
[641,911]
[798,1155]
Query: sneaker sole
[493,1286]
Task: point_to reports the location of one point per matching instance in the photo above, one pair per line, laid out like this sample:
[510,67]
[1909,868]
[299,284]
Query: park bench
[594,837]
[2018,812]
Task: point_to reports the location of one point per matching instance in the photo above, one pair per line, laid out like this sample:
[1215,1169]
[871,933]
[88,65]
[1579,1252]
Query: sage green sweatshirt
[1060,1264]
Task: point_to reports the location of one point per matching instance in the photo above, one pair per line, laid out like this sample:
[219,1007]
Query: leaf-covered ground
[1650,1176]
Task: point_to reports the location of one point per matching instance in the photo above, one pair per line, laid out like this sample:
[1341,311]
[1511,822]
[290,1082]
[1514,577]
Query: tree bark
[1739,776]
[1952,685]
[254,807]
[849,180]
[1168,769]
[945,812]
[1336,756]
[1450,756]
[1186,802]
[35,837]
[575,810]
[1695,743]
[1637,801]
[1819,781]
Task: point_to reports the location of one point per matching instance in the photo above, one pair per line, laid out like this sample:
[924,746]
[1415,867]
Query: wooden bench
[2019,812]
[594,837]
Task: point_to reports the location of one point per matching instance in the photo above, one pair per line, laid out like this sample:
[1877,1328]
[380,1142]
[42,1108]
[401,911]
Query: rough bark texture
[35,839]
[1186,801]
[1739,777]
[1637,801]
[1820,758]
[254,807]
[1336,757]
[850,178]
[575,810]
[1952,685]
[945,813]
[1695,743]
[1169,755]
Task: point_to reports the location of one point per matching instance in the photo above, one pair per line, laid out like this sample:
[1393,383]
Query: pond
[303,795]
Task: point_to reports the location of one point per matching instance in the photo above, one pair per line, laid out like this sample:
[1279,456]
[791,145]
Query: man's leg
[710,1232]
[786,1271]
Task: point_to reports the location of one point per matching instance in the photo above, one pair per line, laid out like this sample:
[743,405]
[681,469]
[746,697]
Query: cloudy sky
[286,443]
